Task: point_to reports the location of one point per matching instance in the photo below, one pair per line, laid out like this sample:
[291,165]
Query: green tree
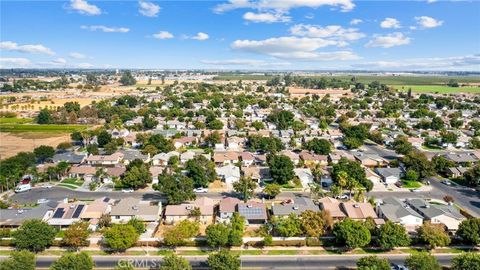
[213,138]
[34,235]
[44,152]
[119,237]
[257,125]
[281,168]
[215,124]
[44,117]
[175,262]
[351,234]
[73,261]
[136,177]
[103,138]
[272,190]
[93,149]
[314,223]
[201,170]
[245,186]
[76,235]
[282,119]
[223,260]
[418,162]
[127,79]
[289,226]
[177,235]
[434,235]
[422,261]
[354,170]
[163,144]
[391,235]
[177,187]
[319,146]
[217,235]
[137,224]
[373,263]
[469,231]
[401,145]
[23,259]
[466,261]
[472,176]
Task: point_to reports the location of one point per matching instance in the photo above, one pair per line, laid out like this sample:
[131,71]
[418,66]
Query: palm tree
[316,191]
[62,168]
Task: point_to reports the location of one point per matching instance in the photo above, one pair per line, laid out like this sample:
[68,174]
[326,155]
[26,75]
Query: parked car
[416,190]
[23,188]
[398,267]
[201,190]
[447,182]
[127,190]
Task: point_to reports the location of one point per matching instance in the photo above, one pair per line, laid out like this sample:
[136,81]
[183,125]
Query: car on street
[23,188]
[446,182]
[416,190]
[201,190]
[47,186]
[127,190]
[398,267]
[40,201]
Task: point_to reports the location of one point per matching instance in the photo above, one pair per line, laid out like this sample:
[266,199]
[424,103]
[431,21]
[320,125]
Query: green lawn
[411,184]
[71,183]
[15,120]
[442,89]
[54,128]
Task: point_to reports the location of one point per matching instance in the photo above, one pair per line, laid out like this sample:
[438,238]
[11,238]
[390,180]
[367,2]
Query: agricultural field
[13,143]
[441,89]
[54,128]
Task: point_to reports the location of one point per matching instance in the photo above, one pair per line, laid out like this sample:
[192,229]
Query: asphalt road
[466,197]
[300,262]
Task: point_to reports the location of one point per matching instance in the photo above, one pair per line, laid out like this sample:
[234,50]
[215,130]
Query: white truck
[23,188]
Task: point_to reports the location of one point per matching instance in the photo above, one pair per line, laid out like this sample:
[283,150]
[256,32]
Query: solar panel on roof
[59,213]
[77,212]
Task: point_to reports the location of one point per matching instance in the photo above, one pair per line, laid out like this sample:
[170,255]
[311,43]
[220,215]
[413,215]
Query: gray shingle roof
[433,210]
[300,205]
[394,209]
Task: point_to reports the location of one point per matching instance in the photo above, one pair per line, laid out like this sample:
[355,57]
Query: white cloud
[431,1]
[295,48]
[390,23]
[201,36]
[266,17]
[428,22]
[243,62]
[148,9]
[356,21]
[14,62]
[389,40]
[28,48]
[457,62]
[105,28]
[335,32]
[82,7]
[283,5]
[77,55]
[59,61]
[163,35]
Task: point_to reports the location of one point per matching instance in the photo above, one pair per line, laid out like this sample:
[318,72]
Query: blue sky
[241,34]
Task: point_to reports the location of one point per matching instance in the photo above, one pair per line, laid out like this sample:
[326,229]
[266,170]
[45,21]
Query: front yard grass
[411,184]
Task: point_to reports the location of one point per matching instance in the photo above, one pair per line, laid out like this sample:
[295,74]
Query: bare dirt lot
[305,91]
[13,143]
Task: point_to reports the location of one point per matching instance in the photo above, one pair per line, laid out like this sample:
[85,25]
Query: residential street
[466,197]
[300,262]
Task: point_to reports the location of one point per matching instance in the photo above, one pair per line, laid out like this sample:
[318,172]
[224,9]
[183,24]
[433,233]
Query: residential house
[294,157]
[298,205]
[67,213]
[228,174]
[129,208]
[14,218]
[360,211]
[389,175]
[370,160]
[184,142]
[95,210]
[253,212]
[447,215]
[459,157]
[69,157]
[257,174]
[130,155]
[247,158]
[313,159]
[396,211]
[105,160]
[177,213]
[333,207]
[305,175]
[227,207]
[225,158]
[456,171]
[161,159]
